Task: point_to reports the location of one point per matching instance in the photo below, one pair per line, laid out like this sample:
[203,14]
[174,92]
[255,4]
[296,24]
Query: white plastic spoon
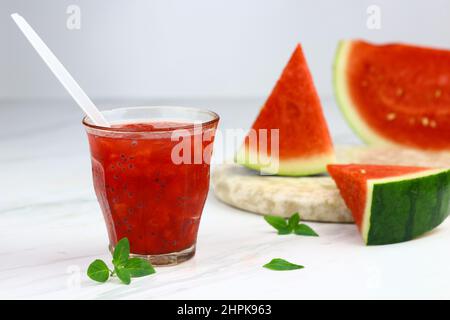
[60,72]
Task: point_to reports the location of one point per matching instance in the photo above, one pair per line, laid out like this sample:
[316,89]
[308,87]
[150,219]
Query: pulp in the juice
[144,195]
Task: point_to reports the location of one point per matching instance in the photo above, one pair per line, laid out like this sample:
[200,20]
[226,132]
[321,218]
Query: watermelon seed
[425,121]
[391,116]
[437,93]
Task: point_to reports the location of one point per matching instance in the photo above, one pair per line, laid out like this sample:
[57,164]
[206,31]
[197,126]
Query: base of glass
[166,259]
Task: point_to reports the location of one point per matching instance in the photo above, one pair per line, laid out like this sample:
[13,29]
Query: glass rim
[214,119]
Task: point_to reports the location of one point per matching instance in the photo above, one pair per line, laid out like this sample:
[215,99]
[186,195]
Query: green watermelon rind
[344,99]
[404,207]
[293,167]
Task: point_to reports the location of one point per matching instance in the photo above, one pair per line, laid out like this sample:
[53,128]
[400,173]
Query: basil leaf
[121,252]
[278,223]
[304,230]
[123,274]
[98,271]
[282,265]
[294,220]
[137,267]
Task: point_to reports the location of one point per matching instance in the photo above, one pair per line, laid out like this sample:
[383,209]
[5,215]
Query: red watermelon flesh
[395,93]
[294,108]
[351,180]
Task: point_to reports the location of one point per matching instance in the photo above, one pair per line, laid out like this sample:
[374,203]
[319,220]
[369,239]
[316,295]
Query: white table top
[51,228]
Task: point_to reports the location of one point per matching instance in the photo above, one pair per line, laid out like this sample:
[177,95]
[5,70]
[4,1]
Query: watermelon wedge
[395,94]
[393,204]
[304,145]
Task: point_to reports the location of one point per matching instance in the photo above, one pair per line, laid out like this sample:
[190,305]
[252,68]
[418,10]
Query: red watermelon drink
[151,177]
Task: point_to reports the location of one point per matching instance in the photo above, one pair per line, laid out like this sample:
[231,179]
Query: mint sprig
[278,223]
[291,225]
[282,265]
[125,267]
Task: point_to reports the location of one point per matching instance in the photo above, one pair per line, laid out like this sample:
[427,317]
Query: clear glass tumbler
[151,177]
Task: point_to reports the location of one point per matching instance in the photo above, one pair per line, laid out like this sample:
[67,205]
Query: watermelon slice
[393,203]
[395,94]
[304,143]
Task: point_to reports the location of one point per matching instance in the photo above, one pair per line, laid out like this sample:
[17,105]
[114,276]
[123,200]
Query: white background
[136,49]
[220,54]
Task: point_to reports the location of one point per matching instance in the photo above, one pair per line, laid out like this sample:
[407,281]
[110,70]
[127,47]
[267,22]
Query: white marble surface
[51,228]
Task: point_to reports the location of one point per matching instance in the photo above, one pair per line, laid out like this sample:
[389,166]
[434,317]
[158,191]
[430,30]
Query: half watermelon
[303,144]
[395,94]
[393,203]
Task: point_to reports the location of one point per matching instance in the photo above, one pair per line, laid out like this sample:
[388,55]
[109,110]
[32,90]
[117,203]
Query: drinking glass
[151,177]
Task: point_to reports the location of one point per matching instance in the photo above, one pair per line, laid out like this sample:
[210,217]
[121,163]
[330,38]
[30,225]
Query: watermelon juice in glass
[151,177]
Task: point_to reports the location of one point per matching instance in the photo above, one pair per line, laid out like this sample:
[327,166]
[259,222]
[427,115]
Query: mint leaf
[304,230]
[278,223]
[123,274]
[98,271]
[294,220]
[121,252]
[137,267]
[124,267]
[282,265]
